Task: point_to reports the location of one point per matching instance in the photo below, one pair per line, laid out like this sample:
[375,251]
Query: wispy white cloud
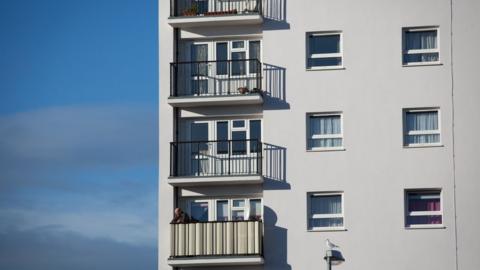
[72,138]
[48,248]
[89,170]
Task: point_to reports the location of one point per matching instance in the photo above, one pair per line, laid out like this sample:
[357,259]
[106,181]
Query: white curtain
[421,40]
[331,204]
[325,125]
[422,121]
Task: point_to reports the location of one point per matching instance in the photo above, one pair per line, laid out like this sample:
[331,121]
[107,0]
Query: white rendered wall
[375,168]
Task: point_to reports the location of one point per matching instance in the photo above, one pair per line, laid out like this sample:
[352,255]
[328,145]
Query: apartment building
[286,123]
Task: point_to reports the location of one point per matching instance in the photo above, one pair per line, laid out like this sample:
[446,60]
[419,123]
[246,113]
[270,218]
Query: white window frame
[407,133]
[212,206]
[310,216]
[231,50]
[423,213]
[419,51]
[325,136]
[324,55]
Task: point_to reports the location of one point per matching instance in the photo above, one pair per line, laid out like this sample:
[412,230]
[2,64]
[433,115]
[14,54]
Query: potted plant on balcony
[192,11]
[243,90]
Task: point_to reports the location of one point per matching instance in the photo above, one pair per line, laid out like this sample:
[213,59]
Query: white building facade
[286,123]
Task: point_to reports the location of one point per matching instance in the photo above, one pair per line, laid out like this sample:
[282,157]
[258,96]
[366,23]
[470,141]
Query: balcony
[215,162]
[196,13]
[220,243]
[210,83]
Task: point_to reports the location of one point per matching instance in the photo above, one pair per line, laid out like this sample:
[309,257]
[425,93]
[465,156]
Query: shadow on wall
[275,15]
[275,87]
[275,171]
[275,239]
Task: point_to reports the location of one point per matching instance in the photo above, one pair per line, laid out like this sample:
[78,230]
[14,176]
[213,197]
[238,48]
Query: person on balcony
[180,217]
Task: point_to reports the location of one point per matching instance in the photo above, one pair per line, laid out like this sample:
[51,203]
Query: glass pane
[427,201]
[202,6]
[255,209]
[238,203]
[324,125]
[222,137]
[324,62]
[427,120]
[421,40]
[238,215]
[199,137]
[222,210]
[238,123]
[255,135]
[324,44]
[222,56]
[254,50]
[239,143]
[328,204]
[238,63]
[418,139]
[238,44]
[200,57]
[420,57]
[200,87]
[325,222]
[199,211]
[321,143]
[425,220]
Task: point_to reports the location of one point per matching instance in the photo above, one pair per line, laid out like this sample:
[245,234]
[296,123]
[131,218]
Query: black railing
[216,78]
[180,8]
[216,158]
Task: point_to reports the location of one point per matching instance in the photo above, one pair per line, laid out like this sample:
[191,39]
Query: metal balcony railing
[181,8]
[216,158]
[218,238]
[216,78]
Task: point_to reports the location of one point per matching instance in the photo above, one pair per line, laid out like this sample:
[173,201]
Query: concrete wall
[466,37]
[375,168]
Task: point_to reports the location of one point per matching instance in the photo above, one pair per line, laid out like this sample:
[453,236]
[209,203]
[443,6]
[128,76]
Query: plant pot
[189,13]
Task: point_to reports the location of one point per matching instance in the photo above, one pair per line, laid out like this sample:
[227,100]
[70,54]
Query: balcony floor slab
[199,21]
[215,261]
[192,101]
[183,181]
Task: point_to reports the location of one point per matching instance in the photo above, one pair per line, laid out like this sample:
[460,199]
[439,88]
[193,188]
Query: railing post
[229,63]
[229,156]
[172,160]
[260,160]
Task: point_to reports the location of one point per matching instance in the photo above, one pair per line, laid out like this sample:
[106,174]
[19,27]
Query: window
[235,209]
[234,58]
[222,57]
[254,51]
[325,211]
[199,211]
[420,46]
[421,127]
[255,209]
[324,131]
[324,50]
[423,208]
[255,136]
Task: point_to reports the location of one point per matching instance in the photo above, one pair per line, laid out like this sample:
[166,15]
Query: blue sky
[78,134]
